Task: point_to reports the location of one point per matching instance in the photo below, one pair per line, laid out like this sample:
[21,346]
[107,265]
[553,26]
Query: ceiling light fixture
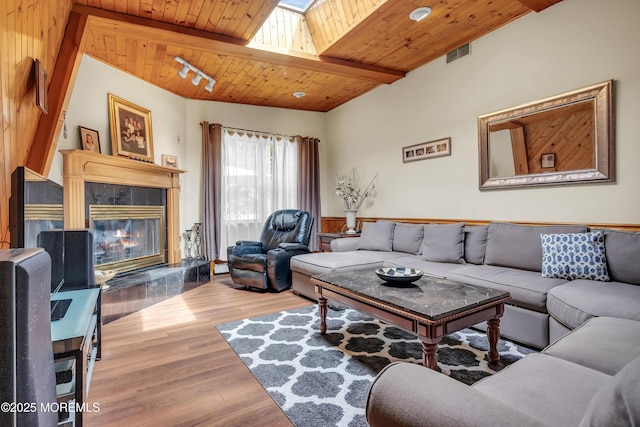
[209,86]
[186,67]
[183,73]
[420,13]
[196,80]
[299,94]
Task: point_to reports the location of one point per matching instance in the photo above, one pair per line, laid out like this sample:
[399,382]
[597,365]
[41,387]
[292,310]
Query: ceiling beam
[539,5]
[189,38]
[45,140]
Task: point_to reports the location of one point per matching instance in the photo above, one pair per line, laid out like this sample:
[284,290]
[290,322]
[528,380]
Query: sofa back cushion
[618,402]
[444,243]
[376,236]
[475,243]
[519,246]
[407,238]
[623,255]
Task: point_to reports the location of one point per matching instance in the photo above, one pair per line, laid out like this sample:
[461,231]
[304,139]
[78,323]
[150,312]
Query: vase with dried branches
[349,189]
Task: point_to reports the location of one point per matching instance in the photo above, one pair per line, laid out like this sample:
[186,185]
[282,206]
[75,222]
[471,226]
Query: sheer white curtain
[259,176]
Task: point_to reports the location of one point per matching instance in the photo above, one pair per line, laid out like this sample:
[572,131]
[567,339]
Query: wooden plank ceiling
[260,53]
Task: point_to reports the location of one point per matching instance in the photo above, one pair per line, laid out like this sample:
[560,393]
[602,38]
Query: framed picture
[89,139]
[131,133]
[41,87]
[548,160]
[426,150]
[169,160]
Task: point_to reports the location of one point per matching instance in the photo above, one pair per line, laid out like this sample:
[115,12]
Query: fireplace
[105,181]
[127,237]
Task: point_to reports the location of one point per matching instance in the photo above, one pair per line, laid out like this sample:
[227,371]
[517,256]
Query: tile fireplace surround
[81,167]
[87,171]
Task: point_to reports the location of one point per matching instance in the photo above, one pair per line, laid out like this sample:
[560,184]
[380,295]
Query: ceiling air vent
[463,50]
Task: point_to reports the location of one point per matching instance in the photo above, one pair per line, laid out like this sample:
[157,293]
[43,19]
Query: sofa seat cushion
[436,269]
[326,262]
[551,390]
[573,303]
[605,344]
[528,289]
[618,402]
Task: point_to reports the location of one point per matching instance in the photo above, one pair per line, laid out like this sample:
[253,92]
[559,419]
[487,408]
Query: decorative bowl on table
[399,275]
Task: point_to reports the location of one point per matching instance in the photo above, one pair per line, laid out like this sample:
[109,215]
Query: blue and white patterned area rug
[323,380]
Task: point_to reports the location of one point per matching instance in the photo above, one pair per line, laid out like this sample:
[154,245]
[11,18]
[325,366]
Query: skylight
[301,5]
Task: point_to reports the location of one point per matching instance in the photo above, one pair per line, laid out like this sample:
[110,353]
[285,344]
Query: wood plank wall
[333,224]
[29,29]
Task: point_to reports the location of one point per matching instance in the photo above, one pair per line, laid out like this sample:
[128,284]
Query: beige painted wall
[175,122]
[570,45]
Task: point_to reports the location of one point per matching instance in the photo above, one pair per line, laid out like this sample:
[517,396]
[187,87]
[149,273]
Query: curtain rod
[257,132]
[253,131]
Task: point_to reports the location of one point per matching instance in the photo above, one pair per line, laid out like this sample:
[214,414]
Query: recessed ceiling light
[420,13]
[299,94]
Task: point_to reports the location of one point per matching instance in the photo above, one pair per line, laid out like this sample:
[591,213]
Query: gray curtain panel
[211,173]
[309,182]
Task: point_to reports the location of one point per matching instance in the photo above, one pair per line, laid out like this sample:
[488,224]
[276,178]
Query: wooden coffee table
[429,307]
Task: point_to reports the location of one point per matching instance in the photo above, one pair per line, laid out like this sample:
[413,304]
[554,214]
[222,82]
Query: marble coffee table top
[429,296]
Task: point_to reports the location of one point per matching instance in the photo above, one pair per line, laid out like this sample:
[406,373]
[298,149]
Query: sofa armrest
[345,244]
[279,265]
[406,394]
[294,247]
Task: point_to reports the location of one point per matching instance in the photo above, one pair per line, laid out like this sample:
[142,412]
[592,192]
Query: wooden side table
[327,238]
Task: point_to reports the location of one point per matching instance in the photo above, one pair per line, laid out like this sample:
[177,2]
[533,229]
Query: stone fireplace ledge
[134,291]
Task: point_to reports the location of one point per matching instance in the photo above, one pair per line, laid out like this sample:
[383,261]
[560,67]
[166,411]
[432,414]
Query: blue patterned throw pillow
[574,256]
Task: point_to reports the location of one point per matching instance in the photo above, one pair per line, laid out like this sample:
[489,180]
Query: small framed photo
[89,139]
[41,87]
[169,160]
[548,160]
[427,150]
[131,133]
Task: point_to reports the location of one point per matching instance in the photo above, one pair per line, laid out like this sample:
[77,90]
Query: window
[259,176]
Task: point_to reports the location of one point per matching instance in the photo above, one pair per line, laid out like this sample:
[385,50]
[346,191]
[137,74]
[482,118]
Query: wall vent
[463,50]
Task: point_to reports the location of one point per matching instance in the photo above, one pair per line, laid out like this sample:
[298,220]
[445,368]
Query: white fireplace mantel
[85,166]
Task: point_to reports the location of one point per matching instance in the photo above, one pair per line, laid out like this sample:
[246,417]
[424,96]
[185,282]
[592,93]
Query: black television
[26,356]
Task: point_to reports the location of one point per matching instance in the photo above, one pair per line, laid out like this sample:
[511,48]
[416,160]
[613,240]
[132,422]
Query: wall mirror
[565,139]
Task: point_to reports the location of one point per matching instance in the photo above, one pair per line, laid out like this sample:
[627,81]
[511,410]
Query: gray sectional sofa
[589,377]
[558,276]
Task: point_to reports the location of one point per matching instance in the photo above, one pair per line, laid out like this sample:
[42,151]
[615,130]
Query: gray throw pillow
[444,243]
[376,236]
[475,243]
[408,238]
[618,402]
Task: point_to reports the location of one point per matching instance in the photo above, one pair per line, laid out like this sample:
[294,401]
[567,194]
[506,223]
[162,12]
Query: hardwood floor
[168,365]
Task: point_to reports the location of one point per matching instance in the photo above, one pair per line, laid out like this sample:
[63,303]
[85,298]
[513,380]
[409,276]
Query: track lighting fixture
[186,67]
[183,73]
